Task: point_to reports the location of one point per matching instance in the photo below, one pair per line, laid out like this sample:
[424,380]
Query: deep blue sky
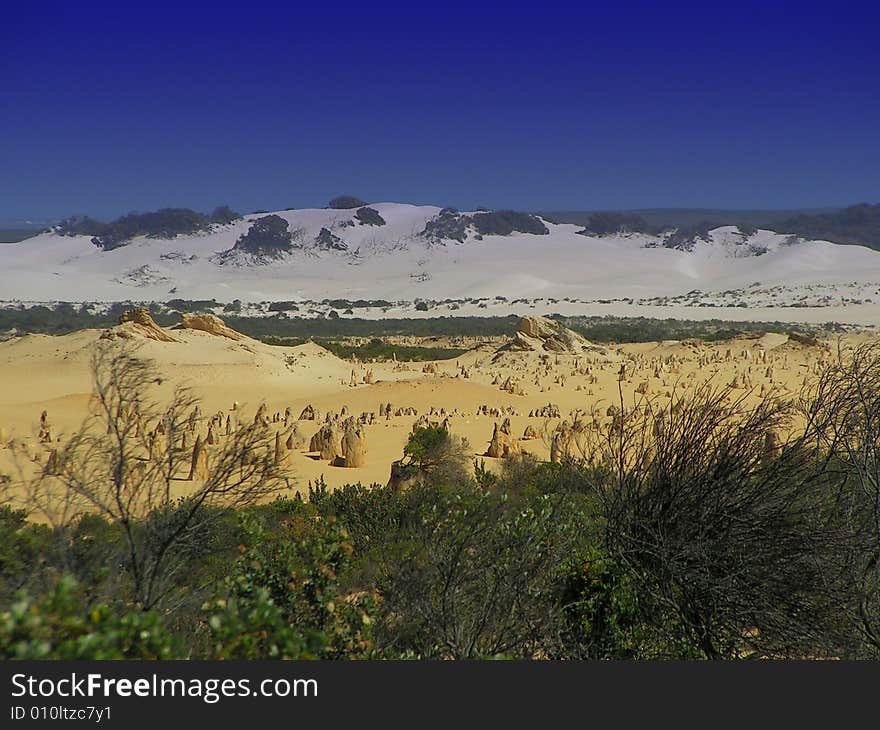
[110,108]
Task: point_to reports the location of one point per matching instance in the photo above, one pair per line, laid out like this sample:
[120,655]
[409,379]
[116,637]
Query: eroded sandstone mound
[138,323]
[541,333]
[210,323]
[295,439]
[326,442]
[503,443]
[354,446]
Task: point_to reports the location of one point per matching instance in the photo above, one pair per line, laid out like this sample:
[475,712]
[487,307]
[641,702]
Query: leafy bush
[223,214]
[284,307]
[857,224]
[355,304]
[284,599]
[61,626]
[248,624]
[602,616]
[80,226]
[377,349]
[327,240]
[684,238]
[604,224]
[433,456]
[424,445]
[22,546]
[192,305]
[369,217]
[447,225]
[465,578]
[644,329]
[505,222]
[164,223]
[346,202]
[267,236]
[724,542]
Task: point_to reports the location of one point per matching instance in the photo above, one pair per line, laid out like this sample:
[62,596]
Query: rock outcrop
[564,442]
[548,335]
[326,442]
[295,439]
[277,453]
[198,470]
[210,323]
[354,446]
[136,323]
[403,476]
[503,444]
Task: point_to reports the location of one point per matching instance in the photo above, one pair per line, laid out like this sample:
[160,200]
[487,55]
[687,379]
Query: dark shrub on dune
[346,202]
[267,236]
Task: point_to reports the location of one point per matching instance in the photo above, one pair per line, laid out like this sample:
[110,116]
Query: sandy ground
[39,372]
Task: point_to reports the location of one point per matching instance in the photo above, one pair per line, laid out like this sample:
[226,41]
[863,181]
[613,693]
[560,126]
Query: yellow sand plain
[51,373]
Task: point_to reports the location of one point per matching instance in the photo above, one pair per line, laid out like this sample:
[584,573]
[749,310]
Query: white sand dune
[395,262]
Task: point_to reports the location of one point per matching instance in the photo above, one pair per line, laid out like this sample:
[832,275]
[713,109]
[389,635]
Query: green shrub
[267,236]
[23,546]
[61,626]
[505,222]
[600,600]
[369,217]
[346,202]
[857,224]
[164,223]
[285,601]
[380,350]
[604,224]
